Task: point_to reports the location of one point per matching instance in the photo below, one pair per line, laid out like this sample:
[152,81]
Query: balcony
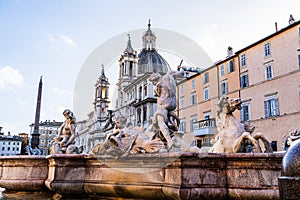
[204,127]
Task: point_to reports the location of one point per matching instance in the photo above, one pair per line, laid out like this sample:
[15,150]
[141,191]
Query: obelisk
[35,140]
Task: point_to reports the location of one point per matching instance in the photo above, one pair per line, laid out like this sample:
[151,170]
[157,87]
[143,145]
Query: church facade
[135,99]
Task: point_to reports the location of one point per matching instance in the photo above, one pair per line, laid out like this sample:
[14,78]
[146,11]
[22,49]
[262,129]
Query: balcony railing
[204,127]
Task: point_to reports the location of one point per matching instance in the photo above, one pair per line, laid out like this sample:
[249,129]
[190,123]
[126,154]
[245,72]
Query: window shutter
[226,88]
[242,82]
[276,107]
[246,80]
[267,109]
[242,114]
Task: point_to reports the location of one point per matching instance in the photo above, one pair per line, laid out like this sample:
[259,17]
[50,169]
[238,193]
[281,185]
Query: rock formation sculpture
[233,136]
[64,143]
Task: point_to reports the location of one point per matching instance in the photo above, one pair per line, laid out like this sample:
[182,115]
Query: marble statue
[64,143]
[161,136]
[233,136]
[293,136]
[165,122]
[127,140]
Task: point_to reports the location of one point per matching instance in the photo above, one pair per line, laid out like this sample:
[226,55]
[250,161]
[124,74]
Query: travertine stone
[66,173]
[148,176]
[23,173]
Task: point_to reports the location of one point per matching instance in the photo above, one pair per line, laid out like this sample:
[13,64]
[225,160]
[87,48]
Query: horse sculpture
[233,136]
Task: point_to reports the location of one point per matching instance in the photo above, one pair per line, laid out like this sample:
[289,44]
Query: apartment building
[10,144]
[48,130]
[265,75]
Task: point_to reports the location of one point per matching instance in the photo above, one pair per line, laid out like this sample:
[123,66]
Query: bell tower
[128,63]
[101,98]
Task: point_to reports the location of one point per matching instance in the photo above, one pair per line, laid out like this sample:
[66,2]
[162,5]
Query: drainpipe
[239,76]
[218,79]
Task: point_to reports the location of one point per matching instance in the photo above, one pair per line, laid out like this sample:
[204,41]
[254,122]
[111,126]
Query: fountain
[152,163]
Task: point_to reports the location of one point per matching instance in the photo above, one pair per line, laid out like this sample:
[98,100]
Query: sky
[53,39]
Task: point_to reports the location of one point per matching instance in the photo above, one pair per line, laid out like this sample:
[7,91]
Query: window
[206,115]
[17,148]
[144,113]
[193,99]
[243,60]
[193,84]
[192,121]
[245,111]
[206,94]
[13,148]
[50,132]
[206,142]
[230,66]
[222,70]
[182,126]
[181,102]
[267,49]
[223,88]
[8,143]
[3,148]
[205,78]
[139,112]
[299,60]
[269,72]
[140,93]
[8,148]
[271,107]
[244,81]
[145,90]
[182,89]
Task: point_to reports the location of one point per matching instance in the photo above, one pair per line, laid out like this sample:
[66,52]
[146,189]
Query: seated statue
[233,136]
[64,143]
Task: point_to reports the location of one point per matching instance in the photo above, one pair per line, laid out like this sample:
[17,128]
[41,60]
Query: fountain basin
[23,173]
[179,175]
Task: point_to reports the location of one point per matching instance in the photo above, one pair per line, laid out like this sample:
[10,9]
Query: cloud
[10,77]
[63,39]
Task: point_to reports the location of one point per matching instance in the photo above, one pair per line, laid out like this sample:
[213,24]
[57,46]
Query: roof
[269,36]
[151,61]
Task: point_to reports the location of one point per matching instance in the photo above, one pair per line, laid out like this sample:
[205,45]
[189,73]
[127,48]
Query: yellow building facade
[265,75]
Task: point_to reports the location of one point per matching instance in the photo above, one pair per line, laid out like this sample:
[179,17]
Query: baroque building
[135,93]
[265,75]
[136,100]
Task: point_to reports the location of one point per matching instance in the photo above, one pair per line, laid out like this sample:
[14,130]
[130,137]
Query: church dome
[149,59]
